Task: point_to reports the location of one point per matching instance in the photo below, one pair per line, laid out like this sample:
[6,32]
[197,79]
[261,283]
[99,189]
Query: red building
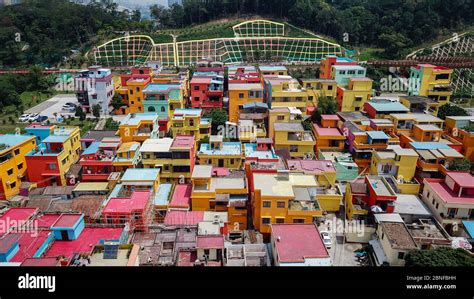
[134,210]
[372,191]
[96,160]
[207,90]
[327,63]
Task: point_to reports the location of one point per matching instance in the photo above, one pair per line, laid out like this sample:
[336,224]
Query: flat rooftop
[321,131]
[67,220]
[388,106]
[315,167]
[281,184]
[118,205]
[156,145]
[134,119]
[227,149]
[410,204]
[398,235]
[297,242]
[141,174]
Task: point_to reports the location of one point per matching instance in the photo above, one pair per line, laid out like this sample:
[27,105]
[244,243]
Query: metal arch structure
[253,40]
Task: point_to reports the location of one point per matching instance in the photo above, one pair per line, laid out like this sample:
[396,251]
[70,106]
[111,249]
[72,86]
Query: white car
[326,239]
[24,117]
[33,117]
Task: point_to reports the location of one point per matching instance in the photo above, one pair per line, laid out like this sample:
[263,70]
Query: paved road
[49,107]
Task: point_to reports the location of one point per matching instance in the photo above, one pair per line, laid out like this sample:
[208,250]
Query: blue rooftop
[154,87]
[13,139]
[429,145]
[272,68]
[163,194]
[92,149]
[344,59]
[377,135]
[255,105]
[55,138]
[469,226]
[140,174]
[252,152]
[135,118]
[389,107]
[227,149]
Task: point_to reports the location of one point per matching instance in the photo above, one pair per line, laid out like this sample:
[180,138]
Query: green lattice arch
[125,51]
[256,28]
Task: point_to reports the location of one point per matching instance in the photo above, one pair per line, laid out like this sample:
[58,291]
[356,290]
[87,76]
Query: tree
[116,101]
[451,110]
[460,165]
[219,118]
[439,257]
[96,110]
[80,113]
[326,105]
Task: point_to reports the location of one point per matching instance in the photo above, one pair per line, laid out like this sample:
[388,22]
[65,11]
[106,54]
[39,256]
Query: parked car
[24,117]
[69,106]
[42,118]
[33,117]
[326,239]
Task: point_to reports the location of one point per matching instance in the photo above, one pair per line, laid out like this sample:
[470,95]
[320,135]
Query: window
[241,95]
[196,87]
[293,148]
[280,117]
[267,204]
[20,166]
[401,255]
[330,87]
[151,109]
[10,171]
[13,185]
[280,220]
[162,109]
[280,204]
[298,220]
[51,166]
[196,99]
[358,99]
[437,205]
[452,212]
[17,151]
[266,221]
[360,72]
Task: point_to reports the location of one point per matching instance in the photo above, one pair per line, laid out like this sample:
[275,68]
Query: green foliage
[300,73]
[451,110]
[218,116]
[80,113]
[439,257]
[110,124]
[116,101]
[96,110]
[460,165]
[204,140]
[326,105]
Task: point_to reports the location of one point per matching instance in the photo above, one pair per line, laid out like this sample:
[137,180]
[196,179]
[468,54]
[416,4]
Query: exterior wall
[346,98]
[237,98]
[390,253]
[17,166]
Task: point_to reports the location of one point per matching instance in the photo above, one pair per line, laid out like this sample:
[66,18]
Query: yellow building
[284,197]
[355,95]
[418,104]
[294,138]
[285,91]
[127,156]
[52,159]
[273,70]
[13,149]
[221,154]
[327,134]
[135,179]
[316,88]
[189,122]
[431,81]
[404,122]
[139,127]
[461,128]
[240,94]
[221,192]
[283,115]
[173,156]
[400,163]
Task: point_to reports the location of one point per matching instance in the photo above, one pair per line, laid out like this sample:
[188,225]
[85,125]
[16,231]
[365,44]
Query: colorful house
[139,127]
[13,167]
[461,128]
[404,122]
[283,197]
[326,64]
[191,123]
[293,138]
[346,169]
[354,95]
[221,190]
[127,156]
[317,88]
[418,104]
[343,74]
[130,87]
[285,91]
[51,160]
[283,115]
[97,159]
[221,154]
[137,179]
[163,98]
[379,109]
[94,87]
[327,134]
[241,94]
[273,70]
[399,166]
[207,90]
[431,81]
[451,199]
[261,150]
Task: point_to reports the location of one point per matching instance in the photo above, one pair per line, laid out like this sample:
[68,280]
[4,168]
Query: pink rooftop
[210,242]
[137,201]
[182,142]
[312,166]
[40,262]
[184,217]
[329,117]
[448,195]
[463,179]
[297,242]
[29,244]
[181,196]
[201,80]
[85,243]
[67,220]
[320,131]
[13,216]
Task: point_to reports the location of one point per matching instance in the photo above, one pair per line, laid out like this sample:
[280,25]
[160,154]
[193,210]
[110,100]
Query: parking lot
[54,105]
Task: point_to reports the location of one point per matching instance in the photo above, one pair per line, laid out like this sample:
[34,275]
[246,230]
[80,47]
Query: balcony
[368,146]
[306,136]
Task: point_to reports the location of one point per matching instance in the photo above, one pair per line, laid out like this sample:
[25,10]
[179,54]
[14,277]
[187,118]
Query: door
[221,162]
[64,235]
